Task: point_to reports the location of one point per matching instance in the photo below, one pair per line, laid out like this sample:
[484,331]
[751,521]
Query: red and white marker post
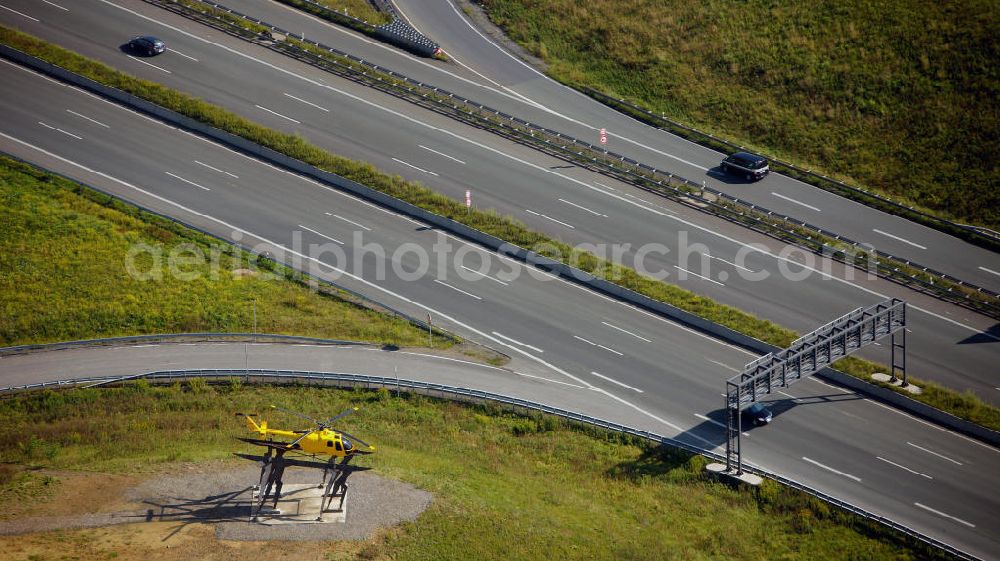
[468,200]
[604,136]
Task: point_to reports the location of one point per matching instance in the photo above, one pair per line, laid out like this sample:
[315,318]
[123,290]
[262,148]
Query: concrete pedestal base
[299,504]
[881,377]
[748,478]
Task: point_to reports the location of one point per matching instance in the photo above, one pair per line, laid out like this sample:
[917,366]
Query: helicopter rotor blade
[300,415]
[299,439]
[355,439]
[334,418]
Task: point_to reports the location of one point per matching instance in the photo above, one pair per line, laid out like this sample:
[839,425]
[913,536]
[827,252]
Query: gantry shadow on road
[714,429]
[991,335]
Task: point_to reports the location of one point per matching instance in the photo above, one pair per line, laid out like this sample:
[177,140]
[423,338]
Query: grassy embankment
[63,276]
[361,9]
[899,97]
[965,405]
[505,487]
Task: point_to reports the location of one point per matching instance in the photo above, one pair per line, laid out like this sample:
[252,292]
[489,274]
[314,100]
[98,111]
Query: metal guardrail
[466,394]
[199,337]
[554,143]
[975,234]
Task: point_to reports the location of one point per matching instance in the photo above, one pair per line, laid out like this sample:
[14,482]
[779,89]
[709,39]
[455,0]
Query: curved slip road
[952,346]
[598,355]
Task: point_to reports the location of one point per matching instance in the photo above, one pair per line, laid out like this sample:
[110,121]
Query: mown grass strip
[63,273]
[966,406]
[505,486]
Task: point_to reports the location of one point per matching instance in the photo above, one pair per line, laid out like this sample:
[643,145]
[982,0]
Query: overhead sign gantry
[810,354]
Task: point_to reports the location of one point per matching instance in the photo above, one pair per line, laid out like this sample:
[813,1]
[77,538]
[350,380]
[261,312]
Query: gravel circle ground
[221,498]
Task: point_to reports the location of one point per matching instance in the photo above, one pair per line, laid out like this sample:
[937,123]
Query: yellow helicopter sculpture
[305,449]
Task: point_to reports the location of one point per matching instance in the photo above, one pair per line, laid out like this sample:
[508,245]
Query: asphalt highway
[484,71]
[665,377]
[948,345]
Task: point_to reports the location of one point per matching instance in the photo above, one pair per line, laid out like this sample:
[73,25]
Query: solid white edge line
[19,13]
[548,380]
[516,342]
[449,359]
[711,445]
[939,513]
[613,381]
[187,181]
[714,422]
[723,425]
[334,240]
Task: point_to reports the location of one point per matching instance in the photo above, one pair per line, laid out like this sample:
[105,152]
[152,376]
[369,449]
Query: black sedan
[757,414]
[147,45]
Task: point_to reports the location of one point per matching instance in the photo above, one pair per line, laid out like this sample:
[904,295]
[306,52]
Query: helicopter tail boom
[253,426]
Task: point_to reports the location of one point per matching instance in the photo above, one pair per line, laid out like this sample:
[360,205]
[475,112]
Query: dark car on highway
[147,45]
[751,166]
[757,414]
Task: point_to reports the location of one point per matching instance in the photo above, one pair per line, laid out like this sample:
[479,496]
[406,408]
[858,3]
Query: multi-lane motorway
[505,82]
[664,374]
[947,343]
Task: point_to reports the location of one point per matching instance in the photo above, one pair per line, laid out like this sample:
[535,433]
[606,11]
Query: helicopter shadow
[225,507]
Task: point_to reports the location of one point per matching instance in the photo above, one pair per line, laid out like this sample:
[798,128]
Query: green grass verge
[63,255]
[899,97]
[360,9]
[505,486]
[488,221]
